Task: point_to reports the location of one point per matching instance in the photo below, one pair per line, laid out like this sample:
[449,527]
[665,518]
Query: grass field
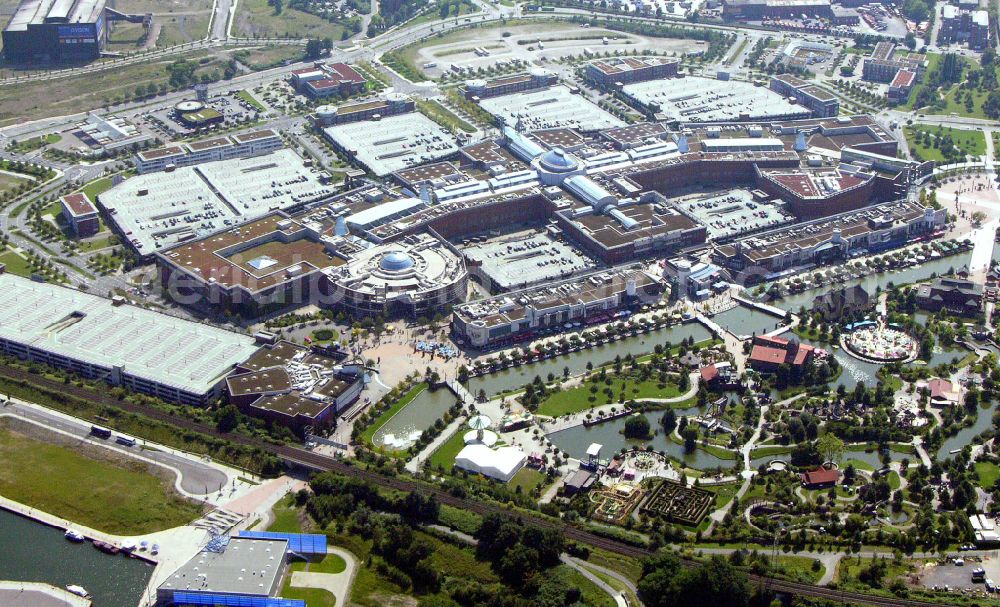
[577,399]
[527,479]
[30,145]
[9,182]
[443,116]
[15,264]
[404,400]
[33,100]
[446,453]
[257,18]
[249,98]
[117,498]
[286,516]
[314,597]
[969,142]
[988,473]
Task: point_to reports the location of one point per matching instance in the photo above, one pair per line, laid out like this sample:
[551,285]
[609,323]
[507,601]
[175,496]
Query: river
[33,552]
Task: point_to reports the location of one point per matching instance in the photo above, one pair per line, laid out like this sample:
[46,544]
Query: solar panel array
[199,599]
[299,543]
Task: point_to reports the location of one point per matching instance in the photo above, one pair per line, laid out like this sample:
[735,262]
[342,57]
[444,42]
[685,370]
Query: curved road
[193,477]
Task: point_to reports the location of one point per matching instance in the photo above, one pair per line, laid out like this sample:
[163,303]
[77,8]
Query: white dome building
[415,276]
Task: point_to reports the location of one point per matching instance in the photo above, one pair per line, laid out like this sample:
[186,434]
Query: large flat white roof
[158,210]
[550,108]
[394,143]
[169,351]
[696,99]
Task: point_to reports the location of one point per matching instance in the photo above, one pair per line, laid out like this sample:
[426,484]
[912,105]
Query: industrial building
[177,360]
[833,239]
[537,78]
[269,263]
[241,570]
[154,211]
[617,71]
[327,79]
[695,99]
[885,62]
[515,261]
[80,214]
[295,386]
[517,316]
[823,104]
[244,145]
[549,108]
[758,10]
[110,133]
[964,26]
[387,145]
[42,31]
[391,105]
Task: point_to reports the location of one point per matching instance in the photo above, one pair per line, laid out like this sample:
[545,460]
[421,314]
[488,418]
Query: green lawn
[446,453]
[9,182]
[404,400]
[15,264]
[527,479]
[97,187]
[314,597]
[245,95]
[121,499]
[591,594]
[443,116]
[577,399]
[988,474]
[800,568]
[286,516]
[724,492]
[257,18]
[968,142]
[331,563]
[770,450]
[30,145]
[893,479]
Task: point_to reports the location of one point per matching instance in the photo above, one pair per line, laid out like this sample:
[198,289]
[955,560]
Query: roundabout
[879,342]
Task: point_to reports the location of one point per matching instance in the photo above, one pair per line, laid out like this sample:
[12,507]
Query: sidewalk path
[338,584]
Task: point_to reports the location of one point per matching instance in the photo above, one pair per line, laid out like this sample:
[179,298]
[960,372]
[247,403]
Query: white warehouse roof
[169,351]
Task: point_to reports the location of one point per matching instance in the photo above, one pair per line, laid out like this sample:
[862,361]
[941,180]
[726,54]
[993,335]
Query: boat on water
[106,547]
[78,590]
[73,535]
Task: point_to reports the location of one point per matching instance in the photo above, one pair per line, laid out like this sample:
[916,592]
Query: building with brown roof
[769,353]
[324,80]
[819,478]
[80,214]
[295,386]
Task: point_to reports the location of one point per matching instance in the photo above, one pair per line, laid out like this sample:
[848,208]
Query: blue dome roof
[396,261]
[558,161]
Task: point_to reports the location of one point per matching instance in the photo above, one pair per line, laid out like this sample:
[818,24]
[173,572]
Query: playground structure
[615,504]
[880,342]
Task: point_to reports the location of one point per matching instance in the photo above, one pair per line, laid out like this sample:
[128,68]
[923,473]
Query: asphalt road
[195,477]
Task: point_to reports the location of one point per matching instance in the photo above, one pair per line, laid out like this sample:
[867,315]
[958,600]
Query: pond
[404,428]
[743,320]
[984,420]
[575,441]
[517,377]
[33,552]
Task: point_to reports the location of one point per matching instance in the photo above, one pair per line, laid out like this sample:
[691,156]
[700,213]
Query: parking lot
[958,578]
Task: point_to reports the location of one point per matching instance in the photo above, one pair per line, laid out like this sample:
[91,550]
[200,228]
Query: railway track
[323,462]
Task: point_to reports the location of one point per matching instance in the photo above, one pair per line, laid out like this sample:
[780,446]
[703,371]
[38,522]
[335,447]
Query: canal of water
[33,552]
[517,377]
